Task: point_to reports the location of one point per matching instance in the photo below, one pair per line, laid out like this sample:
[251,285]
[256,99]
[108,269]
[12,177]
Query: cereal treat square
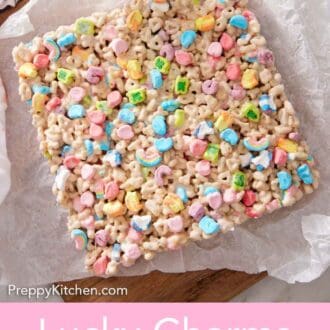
[163,122]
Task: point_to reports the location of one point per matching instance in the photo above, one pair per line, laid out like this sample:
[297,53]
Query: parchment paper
[5,3]
[293,244]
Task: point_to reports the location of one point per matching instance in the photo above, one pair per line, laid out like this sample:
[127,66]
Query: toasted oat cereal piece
[163,122]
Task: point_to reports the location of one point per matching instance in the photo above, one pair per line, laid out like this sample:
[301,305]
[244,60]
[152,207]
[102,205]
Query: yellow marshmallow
[205,23]
[38,102]
[27,70]
[224,121]
[287,145]
[173,202]
[250,79]
[132,201]
[134,20]
[114,208]
[134,69]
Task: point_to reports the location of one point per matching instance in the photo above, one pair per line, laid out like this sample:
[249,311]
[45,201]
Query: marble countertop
[274,290]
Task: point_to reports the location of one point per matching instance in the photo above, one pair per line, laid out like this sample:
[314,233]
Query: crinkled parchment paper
[293,244]
[4,161]
[5,3]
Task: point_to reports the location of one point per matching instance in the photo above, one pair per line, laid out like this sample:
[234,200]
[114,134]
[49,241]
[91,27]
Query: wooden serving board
[201,286]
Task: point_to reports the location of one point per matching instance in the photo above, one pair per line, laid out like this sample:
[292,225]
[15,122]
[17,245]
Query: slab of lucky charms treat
[163,122]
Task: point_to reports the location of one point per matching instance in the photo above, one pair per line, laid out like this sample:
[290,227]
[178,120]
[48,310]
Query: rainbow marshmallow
[254,145]
[149,158]
[80,238]
[53,48]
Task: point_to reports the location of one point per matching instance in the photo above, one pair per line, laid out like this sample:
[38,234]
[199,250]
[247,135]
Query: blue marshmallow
[127,106]
[67,40]
[104,145]
[127,116]
[170,105]
[41,89]
[305,174]
[66,148]
[76,111]
[114,157]
[209,225]
[187,38]
[159,125]
[115,252]
[164,144]
[230,136]
[141,223]
[284,180]
[210,190]
[109,128]
[89,147]
[239,21]
[182,193]
[156,79]
[266,103]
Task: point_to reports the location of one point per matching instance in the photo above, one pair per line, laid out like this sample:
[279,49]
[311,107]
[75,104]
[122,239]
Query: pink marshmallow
[210,87]
[273,205]
[111,190]
[196,211]
[96,117]
[94,74]
[119,46]
[294,136]
[134,235]
[213,61]
[203,168]
[114,99]
[227,42]
[41,61]
[214,200]
[100,265]
[109,32]
[102,238]
[71,161]
[160,173]
[96,131]
[88,223]
[87,171]
[249,15]
[197,147]
[87,199]
[175,224]
[252,213]
[249,198]
[133,251]
[98,187]
[76,94]
[280,156]
[167,51]
[233,71]
[229,196]
[53,103]
[125,132]
[183,58]
[215,49]
[77,206]
[172,244]
[238,92]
